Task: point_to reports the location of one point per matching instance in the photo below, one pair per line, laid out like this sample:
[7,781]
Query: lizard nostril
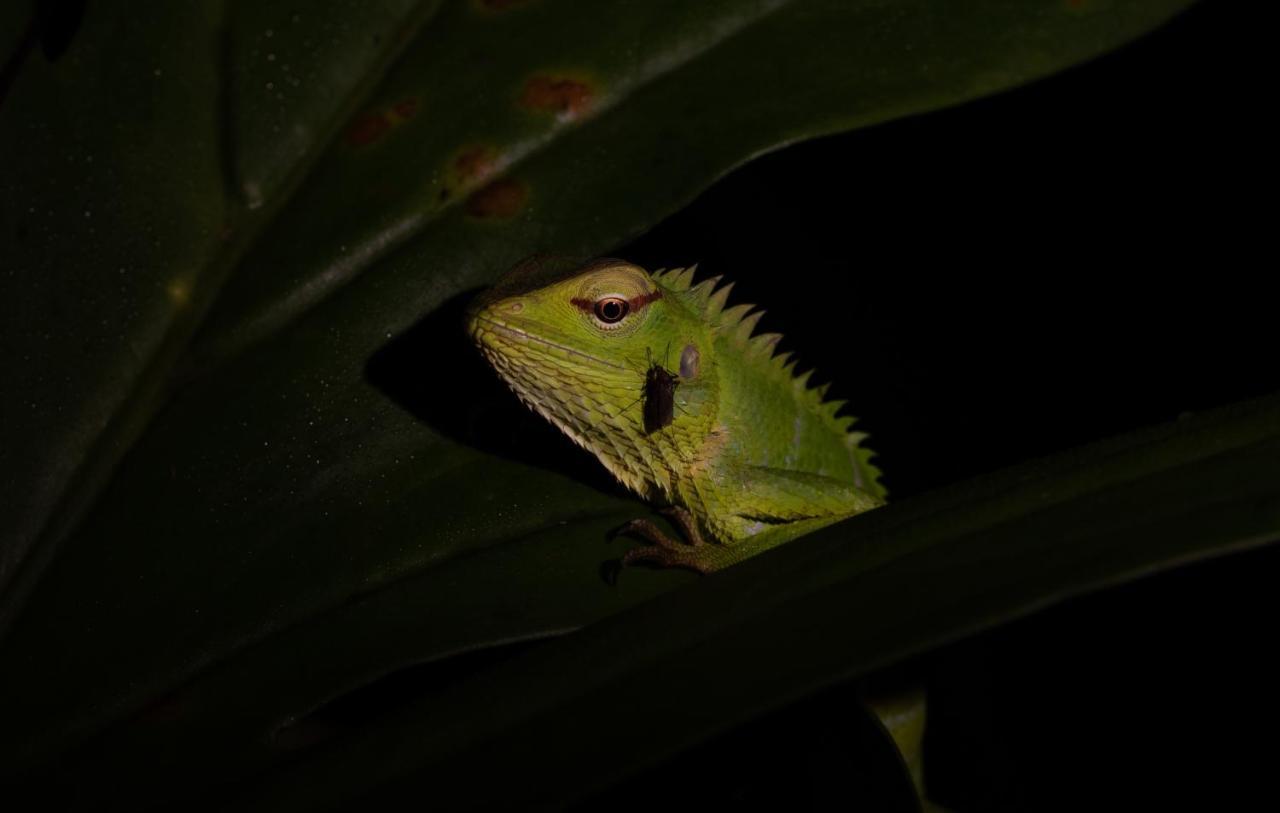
[515,307]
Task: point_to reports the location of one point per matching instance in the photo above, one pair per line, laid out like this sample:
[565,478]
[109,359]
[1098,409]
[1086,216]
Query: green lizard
[743,454]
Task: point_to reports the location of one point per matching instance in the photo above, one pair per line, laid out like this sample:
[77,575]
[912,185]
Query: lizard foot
[689,558]
[685,522]
[646,529]
[664,551]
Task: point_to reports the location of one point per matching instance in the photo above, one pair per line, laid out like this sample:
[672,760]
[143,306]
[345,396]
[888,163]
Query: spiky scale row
[762,346]
[739,323]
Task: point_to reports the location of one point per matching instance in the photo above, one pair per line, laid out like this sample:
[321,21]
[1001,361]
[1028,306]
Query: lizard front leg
[665,551]
[758,508]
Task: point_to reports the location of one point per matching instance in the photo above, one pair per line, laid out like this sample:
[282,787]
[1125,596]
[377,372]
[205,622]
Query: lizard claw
[647,530]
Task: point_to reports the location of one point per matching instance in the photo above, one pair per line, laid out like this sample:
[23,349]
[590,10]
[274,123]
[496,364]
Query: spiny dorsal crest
[739,322]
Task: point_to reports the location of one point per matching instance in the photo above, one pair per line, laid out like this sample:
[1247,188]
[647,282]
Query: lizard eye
[611,309]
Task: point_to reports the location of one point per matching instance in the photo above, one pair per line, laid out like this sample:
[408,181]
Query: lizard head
[576,343]
[602,312]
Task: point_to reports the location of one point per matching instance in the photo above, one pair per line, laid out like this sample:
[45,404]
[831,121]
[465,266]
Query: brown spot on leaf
[560,96]
[369,127]
[502,198]
[405,108]
[168,709]
[474,164]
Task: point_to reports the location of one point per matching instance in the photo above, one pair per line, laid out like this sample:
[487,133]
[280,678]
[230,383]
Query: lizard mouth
[484,328]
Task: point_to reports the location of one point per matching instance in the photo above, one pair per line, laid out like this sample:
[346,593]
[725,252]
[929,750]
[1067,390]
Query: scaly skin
[752,457]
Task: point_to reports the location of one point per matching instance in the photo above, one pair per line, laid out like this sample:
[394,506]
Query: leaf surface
[243,422]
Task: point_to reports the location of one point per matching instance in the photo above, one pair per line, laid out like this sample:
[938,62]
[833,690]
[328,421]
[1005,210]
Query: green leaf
[223,450]
[118,237]
[93,277]
[833,605]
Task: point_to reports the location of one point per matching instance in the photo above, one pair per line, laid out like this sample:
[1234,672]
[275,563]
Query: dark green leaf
[200,501]
[105,229]
[834,605]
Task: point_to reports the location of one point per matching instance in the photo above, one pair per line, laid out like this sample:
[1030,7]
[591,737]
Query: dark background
[1023,274]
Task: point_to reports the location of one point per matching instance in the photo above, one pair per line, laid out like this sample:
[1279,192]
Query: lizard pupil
[611,310]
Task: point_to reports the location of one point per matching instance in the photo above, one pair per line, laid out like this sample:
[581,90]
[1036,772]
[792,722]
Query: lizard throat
[595,402]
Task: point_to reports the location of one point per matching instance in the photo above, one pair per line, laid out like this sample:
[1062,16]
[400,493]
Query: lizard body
[746,454]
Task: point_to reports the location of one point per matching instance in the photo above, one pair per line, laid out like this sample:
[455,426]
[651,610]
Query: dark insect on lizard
[659,397]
